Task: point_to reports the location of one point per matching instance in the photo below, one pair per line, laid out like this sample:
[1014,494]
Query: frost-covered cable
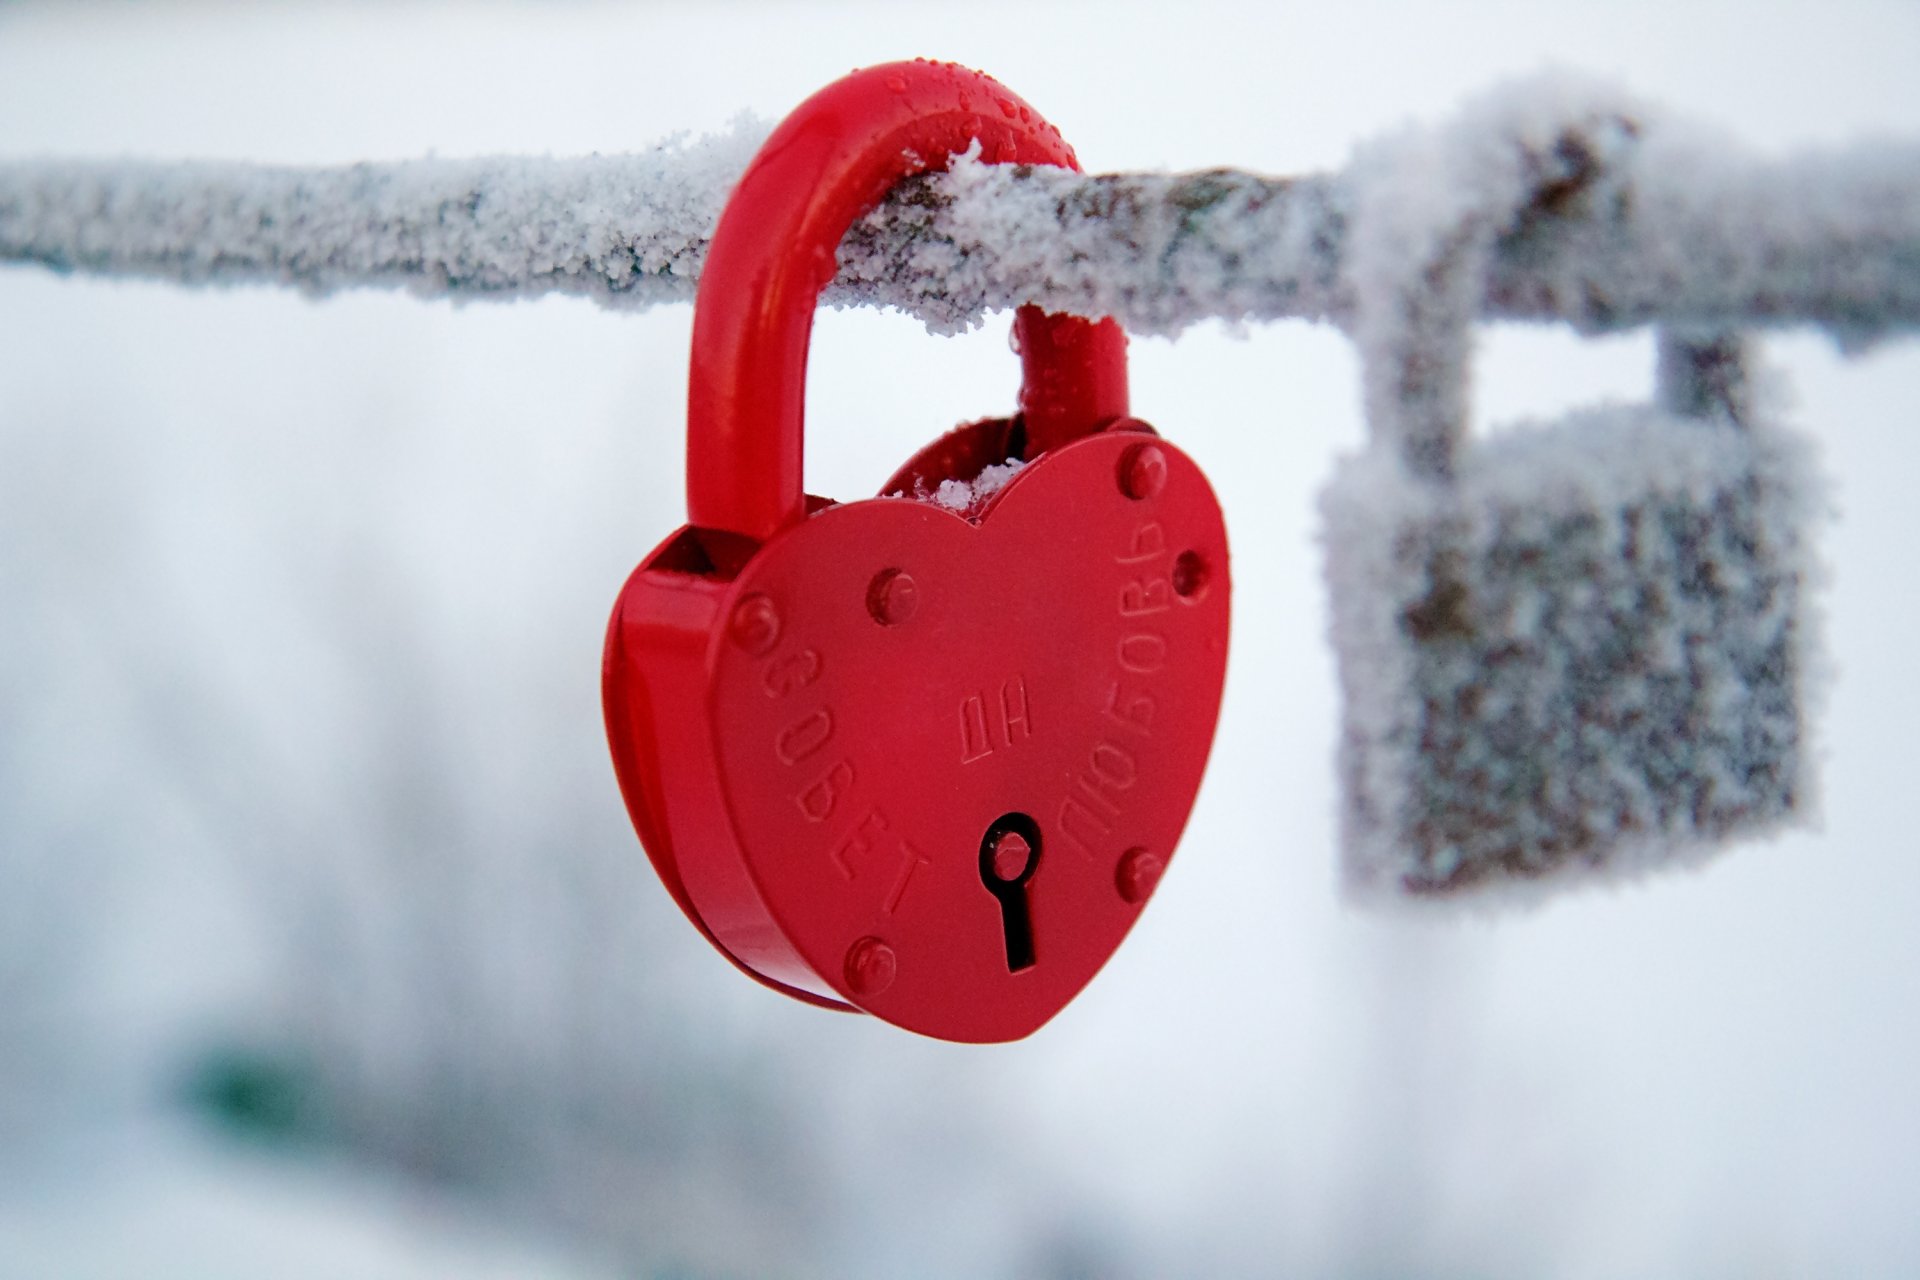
[1682,228]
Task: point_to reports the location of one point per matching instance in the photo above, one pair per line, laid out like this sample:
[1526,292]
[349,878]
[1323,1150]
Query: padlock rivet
[1011,854]
[1138,872]
[1143,471]
[755,626]
[871,967]
[892,597]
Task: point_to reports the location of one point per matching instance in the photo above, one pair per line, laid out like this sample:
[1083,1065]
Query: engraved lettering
[1149,541]
[1114,766]
[1092,792]
[1136,713]
[786,675]
[1013,709]
[860,842]
[861,845]
[1092,810]
[803,740]
[1079,825]
[978,725]
[1143,653]
[804,737]
[818,800]
[911,861]
[1145,596]
[974,742]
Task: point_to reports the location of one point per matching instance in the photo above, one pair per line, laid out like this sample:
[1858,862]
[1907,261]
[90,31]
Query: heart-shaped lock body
[890,755]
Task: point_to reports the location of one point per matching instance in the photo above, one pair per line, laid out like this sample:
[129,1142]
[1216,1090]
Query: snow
[1687,225]
[1576,650]
[1428,207]
[1585,656]
[309,599]
[968,497]
[632,228]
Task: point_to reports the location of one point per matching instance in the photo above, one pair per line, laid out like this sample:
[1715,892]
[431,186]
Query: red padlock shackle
[829,162]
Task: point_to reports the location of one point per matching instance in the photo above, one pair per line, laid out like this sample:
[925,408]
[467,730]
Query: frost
[969,497]
[1641,220]
[1589,656]
[1580,649]
[626,230]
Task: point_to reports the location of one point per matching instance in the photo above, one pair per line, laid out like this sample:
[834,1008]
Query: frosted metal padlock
[1573,649]
[923,761]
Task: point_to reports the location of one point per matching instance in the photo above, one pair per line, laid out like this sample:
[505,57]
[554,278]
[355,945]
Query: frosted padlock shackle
[830,161]
[1417,358]
[1415,362]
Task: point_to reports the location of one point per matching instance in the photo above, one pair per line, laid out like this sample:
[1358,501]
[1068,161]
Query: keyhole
[1009,854]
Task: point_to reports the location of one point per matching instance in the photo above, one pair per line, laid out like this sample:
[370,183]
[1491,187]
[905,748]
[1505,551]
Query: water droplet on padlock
[896,84]
[1006,106]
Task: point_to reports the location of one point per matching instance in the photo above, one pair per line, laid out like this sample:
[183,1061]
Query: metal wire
[1829,239]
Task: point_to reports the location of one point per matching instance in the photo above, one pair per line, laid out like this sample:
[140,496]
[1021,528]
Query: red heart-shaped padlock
[922,761]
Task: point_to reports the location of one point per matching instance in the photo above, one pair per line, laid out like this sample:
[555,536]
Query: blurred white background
[326,948]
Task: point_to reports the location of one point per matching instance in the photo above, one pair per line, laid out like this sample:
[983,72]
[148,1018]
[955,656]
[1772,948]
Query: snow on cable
[1583,650]
[1678,227]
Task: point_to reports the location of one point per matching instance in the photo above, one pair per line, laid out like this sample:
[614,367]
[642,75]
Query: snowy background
[326,948]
